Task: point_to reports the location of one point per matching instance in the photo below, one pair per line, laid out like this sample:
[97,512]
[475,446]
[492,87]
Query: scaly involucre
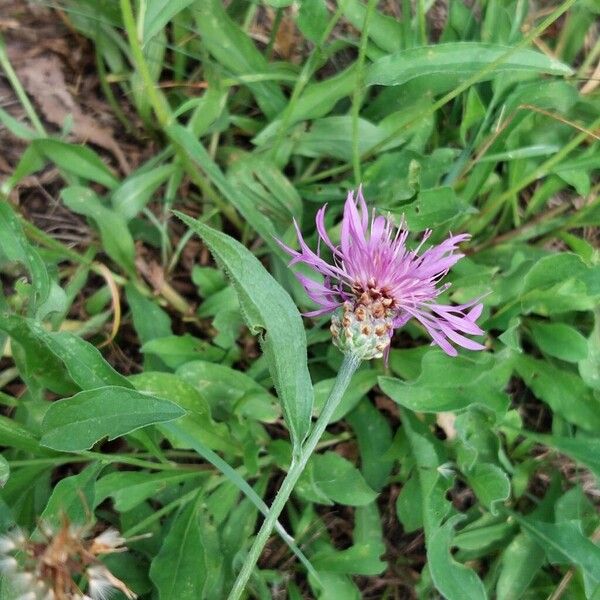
[381,284]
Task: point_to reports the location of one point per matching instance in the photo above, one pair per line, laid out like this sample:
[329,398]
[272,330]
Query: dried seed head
[49,569]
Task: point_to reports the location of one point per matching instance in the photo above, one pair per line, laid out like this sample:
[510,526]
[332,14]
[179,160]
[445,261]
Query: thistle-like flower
[376,284]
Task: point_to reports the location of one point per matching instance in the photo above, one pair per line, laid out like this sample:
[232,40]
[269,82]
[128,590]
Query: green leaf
[315,101]
[564,543]
[198,155]
[585,450]
[559,340]
[198,418]
[159,13]
[40,363]
[150,322]
[428,458]
[374,437]
[187,566]
[78,160]
[226,41]
[449,383]
[361,383]
[562,390]
[130,488]
[434,208]
[73,497]
[229,391]
[589,367]
[519,564]
[117,241]
[16,436]
[460,60]
[330,478]
[270,312]
[15,247]
[451,578]
[312,19]
[177,350]
[82,361]
[490,484]
[135,192]
[77,423]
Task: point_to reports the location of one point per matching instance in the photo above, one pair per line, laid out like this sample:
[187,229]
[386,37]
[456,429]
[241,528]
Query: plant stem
[344,376]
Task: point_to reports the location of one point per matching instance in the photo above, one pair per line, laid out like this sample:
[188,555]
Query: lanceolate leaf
[77,423]
[185,567]
[459,59]
[270,313]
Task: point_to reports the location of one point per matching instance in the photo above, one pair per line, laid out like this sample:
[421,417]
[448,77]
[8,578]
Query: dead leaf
[43,78]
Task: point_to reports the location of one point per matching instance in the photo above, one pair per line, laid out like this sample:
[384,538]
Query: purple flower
[381,284]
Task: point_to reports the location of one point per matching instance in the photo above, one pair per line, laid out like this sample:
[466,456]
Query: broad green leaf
[562,390]
[270,313]
[198,418]
[187,566]
[77,423]
[384,30]
[312,19]
[78,160]
[15,247]
[433,485]
[490,484]
[177,350]
[564,543]
[583,449]
[73,497]
[40,363]
[130,488]
[137,190]
[374,437]
[150,321]
[409,505]
[332,136]
[453,383]
[14,435]
[82,361]
[228,391]
[460,59]
[117,241]
[519,564]
[315,101]
[559,340]
[434,208]
[330,478]
[454,580]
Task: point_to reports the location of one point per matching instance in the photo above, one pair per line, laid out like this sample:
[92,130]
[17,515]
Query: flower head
[380,284]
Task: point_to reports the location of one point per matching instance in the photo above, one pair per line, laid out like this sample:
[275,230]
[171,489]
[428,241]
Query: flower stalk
[347,370]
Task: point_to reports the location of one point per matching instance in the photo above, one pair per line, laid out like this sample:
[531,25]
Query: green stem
[18,89]
[342,381]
